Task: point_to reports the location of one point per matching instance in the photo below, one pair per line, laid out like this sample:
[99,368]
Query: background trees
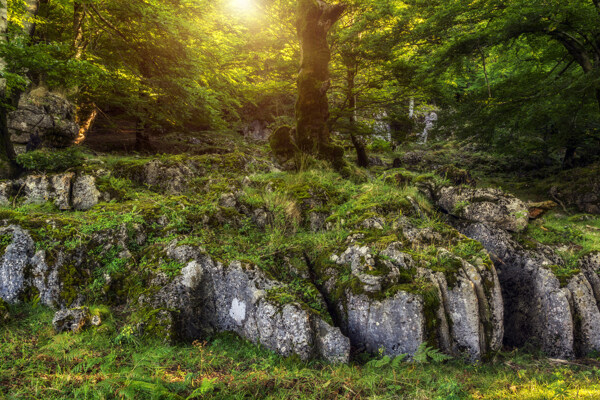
[514,74]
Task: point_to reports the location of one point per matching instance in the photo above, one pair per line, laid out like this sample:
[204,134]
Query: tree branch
[108,23]
[575,48]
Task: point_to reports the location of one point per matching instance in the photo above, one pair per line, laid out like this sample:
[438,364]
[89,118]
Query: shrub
[51,160]
[380,145]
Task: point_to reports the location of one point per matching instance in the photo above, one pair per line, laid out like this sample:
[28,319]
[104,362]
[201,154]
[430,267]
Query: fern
[379,363]
[426,354]
[207,386]
[398,360]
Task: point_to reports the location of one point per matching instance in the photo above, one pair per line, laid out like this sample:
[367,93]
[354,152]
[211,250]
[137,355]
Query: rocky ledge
[399,277]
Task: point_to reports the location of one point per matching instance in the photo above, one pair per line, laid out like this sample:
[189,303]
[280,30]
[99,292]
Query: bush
[51,160]
[380,145]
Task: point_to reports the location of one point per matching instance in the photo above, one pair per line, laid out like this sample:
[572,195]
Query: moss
[5,241]
[51,160]
[282,144]
[457,176]
[564,274]
[4,311]
[72,283]
[302,293]
[449,265]
[154,323]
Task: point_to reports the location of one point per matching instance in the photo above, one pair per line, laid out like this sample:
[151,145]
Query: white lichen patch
[238,311]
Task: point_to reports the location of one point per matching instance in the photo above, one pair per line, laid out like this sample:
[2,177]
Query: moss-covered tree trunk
[315,18]
[7,153]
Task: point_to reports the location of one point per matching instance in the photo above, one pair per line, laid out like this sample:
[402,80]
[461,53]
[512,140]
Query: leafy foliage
[51,160]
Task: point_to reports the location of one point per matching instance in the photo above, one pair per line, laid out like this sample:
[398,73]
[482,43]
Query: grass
[114,361]
[37,364]
[572,236]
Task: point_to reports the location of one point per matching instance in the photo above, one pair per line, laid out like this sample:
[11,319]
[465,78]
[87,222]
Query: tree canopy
[514,74]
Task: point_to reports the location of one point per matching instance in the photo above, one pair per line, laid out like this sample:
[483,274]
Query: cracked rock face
[212,297]
[384,313]
[22,268]
[490,206]
[66,190]
[84,193]
[395,325]
[562,319]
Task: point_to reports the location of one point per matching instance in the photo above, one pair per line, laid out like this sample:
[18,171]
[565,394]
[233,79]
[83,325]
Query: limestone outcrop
[490,206]
[68,190]
[23,269]
[558,312]
[394,303]
[211,297]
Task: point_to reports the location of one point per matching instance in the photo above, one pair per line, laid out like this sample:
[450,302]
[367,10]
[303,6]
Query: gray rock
[211,297]
[14,263]
[21,268]
[261,218]
[61,190]
[362,266]
[228,200]
[71,320]
[587,323]
[317,221]
[412,158]
[6,191]
[490,206]
[257,130]
[468,314]
[536,307]
[36,189]
[84,195]
[42,118]
[65,190]
[395,325]
[373,223]
[172,179]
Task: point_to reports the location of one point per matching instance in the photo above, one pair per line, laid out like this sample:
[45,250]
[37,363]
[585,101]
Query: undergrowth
[100,364]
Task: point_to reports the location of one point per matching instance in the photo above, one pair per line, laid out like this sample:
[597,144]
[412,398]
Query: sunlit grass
[35,363]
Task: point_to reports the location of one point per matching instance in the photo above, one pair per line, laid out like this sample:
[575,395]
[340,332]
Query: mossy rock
[457,176]
[282,144]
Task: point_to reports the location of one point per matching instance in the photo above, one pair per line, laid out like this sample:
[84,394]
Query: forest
[306,199]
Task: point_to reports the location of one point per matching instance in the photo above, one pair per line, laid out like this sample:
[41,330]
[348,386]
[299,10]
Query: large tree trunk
[315,18]
[8,166]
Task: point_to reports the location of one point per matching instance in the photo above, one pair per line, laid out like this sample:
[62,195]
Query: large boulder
[544,305]
[490,206]
[42,119]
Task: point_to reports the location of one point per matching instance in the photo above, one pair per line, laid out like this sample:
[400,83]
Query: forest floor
[110,362]
[35,363]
